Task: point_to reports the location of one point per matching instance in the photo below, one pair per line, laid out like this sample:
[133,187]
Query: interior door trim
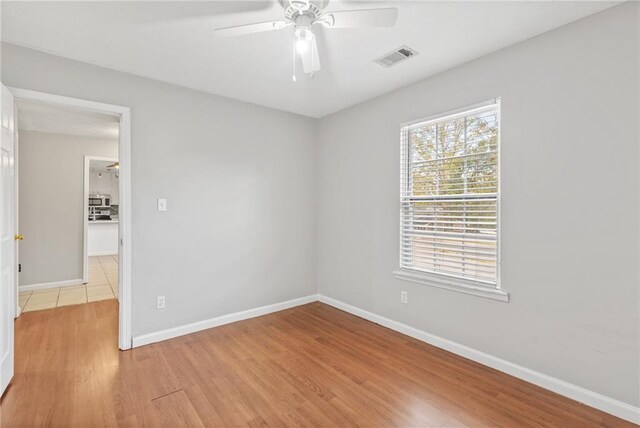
[124,155]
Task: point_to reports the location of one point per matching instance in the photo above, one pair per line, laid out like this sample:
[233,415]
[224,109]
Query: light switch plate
[162,204]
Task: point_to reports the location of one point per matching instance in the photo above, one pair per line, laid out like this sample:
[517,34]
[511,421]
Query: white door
[7,236]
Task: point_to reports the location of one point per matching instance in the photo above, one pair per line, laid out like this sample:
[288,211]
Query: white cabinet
[103,238]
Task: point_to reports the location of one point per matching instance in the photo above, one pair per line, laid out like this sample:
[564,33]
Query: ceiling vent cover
[398,55]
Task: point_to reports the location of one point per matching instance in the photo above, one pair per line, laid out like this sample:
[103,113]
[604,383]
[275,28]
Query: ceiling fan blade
[310,58]
[241,30]
[307,61]
[363,18]
[315,58]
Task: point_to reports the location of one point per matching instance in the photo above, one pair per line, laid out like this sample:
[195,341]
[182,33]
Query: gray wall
[51,171]
[570,109]
[240,180]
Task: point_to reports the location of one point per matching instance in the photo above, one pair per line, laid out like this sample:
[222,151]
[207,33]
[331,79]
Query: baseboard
[104,253]
[585,396]
[53,284]
[170,333]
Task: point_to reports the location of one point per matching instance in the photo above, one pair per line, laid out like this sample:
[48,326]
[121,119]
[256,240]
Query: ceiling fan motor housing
[311,8]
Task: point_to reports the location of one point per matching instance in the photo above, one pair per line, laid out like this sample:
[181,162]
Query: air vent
[398,55]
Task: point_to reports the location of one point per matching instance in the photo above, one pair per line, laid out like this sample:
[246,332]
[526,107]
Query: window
[449,200]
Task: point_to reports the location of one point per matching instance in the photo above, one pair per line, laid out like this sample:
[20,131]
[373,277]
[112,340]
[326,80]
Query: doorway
[115,266]
[101,225]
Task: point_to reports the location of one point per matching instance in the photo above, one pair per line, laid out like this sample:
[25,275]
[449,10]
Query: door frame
[85,219]
[124,213]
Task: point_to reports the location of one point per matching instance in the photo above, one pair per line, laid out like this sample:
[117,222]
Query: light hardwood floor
[309,366]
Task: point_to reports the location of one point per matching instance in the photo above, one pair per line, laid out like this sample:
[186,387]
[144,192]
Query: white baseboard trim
[170,333]
[53,284]
[103,253]
[590,398]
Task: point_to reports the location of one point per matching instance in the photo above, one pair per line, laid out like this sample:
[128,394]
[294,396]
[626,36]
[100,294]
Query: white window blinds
[449,195]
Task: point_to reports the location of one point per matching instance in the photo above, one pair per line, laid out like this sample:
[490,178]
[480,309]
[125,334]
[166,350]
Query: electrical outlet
[162,204]
[161,302]
[404,298]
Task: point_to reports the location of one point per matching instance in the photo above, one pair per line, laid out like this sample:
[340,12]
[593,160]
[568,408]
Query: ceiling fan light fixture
[304,37]
[302,46]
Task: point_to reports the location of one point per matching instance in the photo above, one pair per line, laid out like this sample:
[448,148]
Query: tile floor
[102,285]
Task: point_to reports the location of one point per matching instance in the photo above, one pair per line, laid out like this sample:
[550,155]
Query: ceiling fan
[116,166]
[303,15]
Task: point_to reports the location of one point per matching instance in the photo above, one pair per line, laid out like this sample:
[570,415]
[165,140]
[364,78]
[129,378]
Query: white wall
[570,196]
[51,206]
[240,180]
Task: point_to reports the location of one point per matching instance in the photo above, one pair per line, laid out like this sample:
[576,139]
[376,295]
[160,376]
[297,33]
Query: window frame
[449,282]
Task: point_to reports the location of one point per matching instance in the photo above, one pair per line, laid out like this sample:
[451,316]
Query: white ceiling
[101,167]
[34,116]
[174,42]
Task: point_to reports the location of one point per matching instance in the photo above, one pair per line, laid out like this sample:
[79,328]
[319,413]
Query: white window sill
[450,283]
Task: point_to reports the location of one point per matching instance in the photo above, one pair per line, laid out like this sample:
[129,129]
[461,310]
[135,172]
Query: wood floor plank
[175,410]
[313,365]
